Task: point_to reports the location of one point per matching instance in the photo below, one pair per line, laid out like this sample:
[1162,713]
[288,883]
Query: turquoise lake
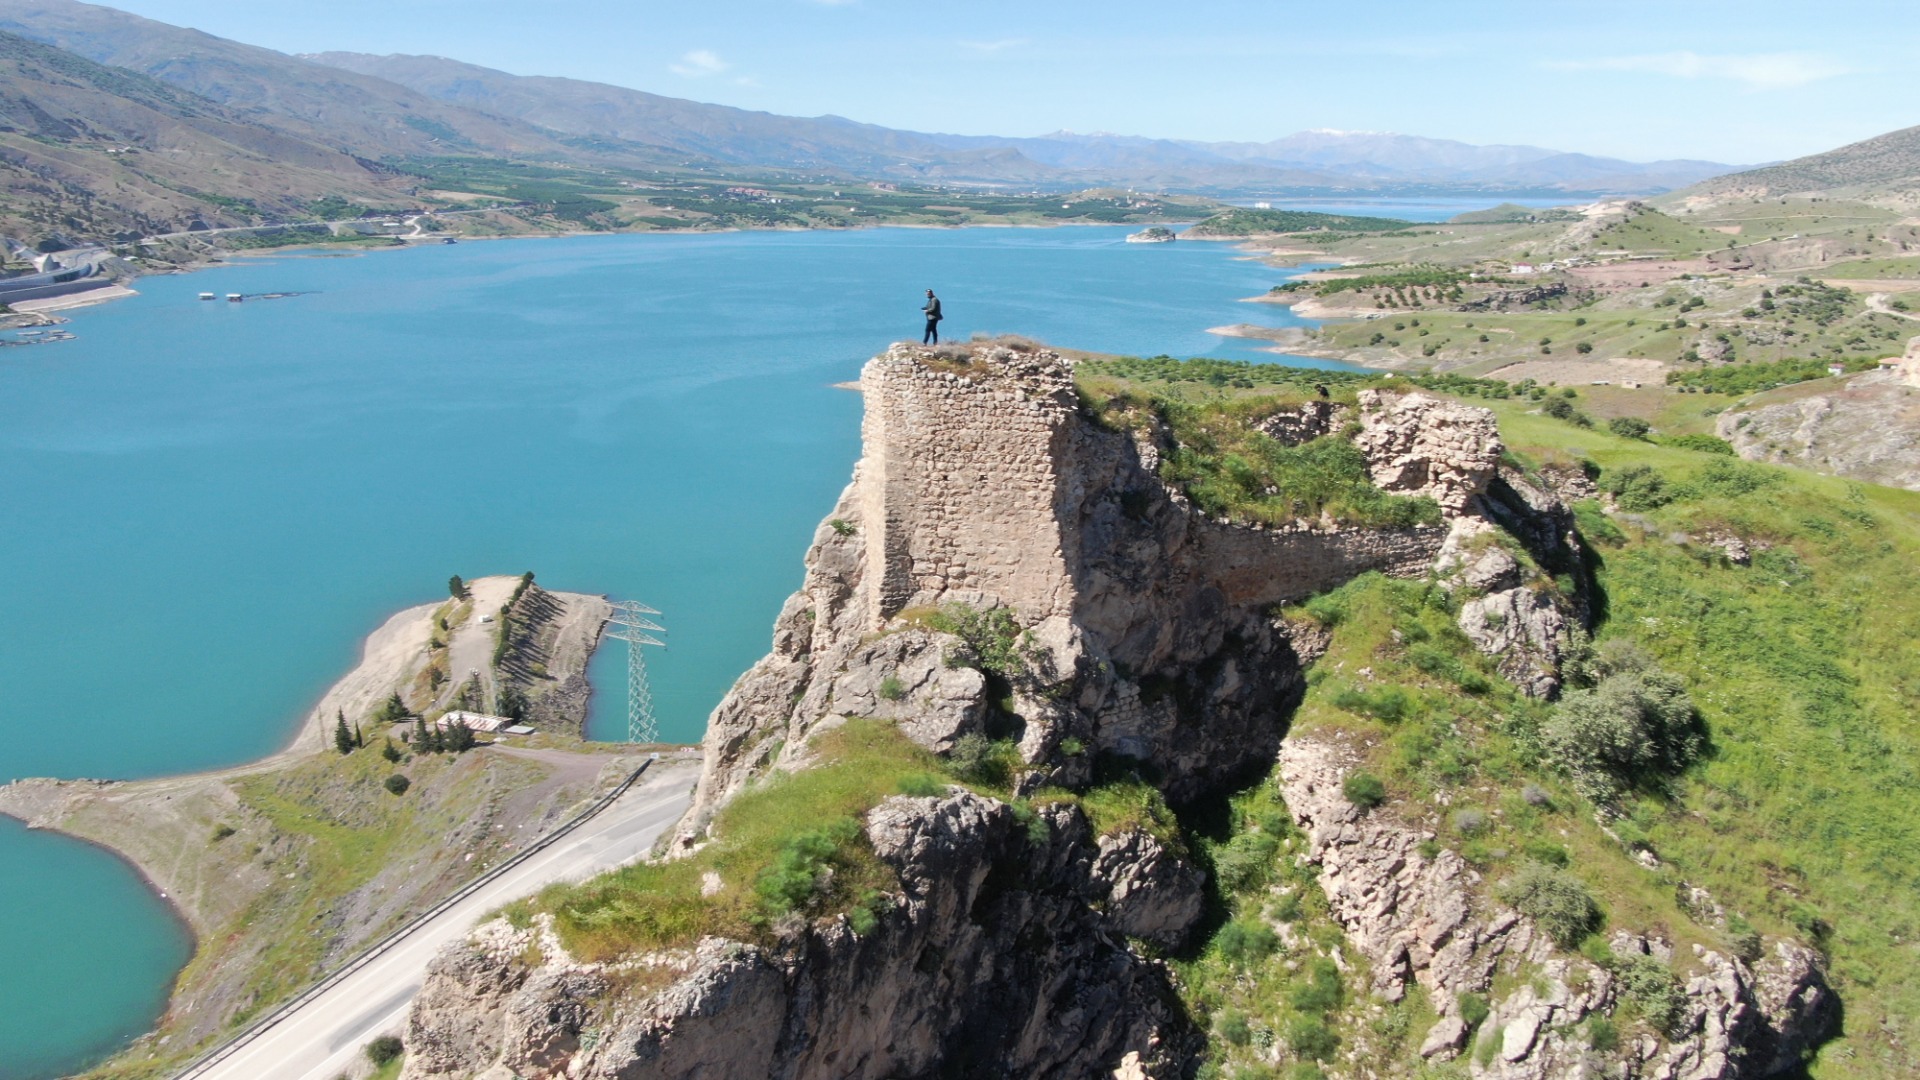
[208,505]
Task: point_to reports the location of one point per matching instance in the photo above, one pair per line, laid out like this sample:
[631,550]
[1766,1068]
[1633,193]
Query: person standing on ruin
[932,310]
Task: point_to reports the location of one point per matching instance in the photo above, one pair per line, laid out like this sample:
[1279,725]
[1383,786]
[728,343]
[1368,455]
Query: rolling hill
[1883,168]
[93,151]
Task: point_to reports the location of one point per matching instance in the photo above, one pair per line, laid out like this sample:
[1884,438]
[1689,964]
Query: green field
[1905,267]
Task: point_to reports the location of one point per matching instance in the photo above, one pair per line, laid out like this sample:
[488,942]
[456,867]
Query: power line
[631,625]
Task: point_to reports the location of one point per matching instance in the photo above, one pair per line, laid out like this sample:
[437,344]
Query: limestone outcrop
[1135,628]
[1867,428]
[995,961]
[1421,918]
[983,482]
[1421,445]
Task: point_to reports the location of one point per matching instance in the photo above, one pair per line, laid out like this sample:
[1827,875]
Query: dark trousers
[932,336]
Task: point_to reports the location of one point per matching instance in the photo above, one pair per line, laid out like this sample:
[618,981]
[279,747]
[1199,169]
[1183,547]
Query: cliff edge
[1018,654]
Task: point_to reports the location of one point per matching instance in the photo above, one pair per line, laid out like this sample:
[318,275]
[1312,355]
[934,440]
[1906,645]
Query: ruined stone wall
[959,484]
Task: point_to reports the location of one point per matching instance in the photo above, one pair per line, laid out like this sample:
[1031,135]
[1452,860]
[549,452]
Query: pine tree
[390,752]
[456,587]
[342,738]
[459,737]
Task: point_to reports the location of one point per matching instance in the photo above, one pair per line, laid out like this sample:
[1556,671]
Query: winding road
[323,1038]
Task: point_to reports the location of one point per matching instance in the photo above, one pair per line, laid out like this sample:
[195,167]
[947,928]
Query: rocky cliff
[1863,428]
[1420,918]
[1140,634]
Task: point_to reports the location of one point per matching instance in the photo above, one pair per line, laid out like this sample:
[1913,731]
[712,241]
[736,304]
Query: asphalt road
[323,1038]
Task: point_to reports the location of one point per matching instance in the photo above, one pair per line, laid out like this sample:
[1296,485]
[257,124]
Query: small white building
[474,721]
[1523,268]
[1836,369]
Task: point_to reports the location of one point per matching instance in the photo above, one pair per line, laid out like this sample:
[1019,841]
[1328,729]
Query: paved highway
[322,1039]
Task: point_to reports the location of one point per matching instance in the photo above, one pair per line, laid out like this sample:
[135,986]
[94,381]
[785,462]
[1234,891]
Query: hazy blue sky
[1734,82]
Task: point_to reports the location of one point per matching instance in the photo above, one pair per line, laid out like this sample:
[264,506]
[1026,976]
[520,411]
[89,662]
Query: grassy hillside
[94,151]
[1795,816]
[1884,165]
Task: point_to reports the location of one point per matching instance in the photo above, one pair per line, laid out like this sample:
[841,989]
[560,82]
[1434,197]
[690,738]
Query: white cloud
[1756,71]
[995,46]
[699,64]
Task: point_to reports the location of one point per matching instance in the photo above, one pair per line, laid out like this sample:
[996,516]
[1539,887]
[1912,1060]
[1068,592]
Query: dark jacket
[932,309]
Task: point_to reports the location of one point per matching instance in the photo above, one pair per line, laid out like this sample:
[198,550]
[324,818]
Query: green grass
[1894,268]
[1804,668]
[1228,467]
[1753,378]
[785,823]
[1648,231]
[1799,818]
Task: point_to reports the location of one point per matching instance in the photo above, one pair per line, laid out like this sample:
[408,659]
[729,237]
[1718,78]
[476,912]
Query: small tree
[390,752]
[342,738]
[1364,790]
[398,784]
[457,738]
[1555,899]
[393,710]
[384,1049]
[1629,427]
[457,588]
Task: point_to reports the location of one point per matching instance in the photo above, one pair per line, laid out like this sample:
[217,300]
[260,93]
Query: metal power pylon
[631,625]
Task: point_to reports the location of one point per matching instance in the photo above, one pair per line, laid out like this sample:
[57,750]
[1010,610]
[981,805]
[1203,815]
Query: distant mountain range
[1329,160]
[113,124]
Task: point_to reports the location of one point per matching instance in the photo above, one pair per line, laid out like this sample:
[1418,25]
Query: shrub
[1548,852]
[1232,1027]
[1469,821]
[1636,723]
[222,831]
[1638,488]
[892,689]
[1364,790]
[1320,991]
[1245,862]
[921,785]
[1653,988]
[1744,940]
[1602,1035]
[1245,942]
[390,752]
[1705,444]
[1555,899]
[994,641]
[384,1049]
[1473,1009]
[1388,704]
[398,784]
[1731,479]
[1311,1038]
[976,759]
[800,868]
[1629,427]
[842,527]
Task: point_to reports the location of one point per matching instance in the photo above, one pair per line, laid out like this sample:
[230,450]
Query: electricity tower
[631,625]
